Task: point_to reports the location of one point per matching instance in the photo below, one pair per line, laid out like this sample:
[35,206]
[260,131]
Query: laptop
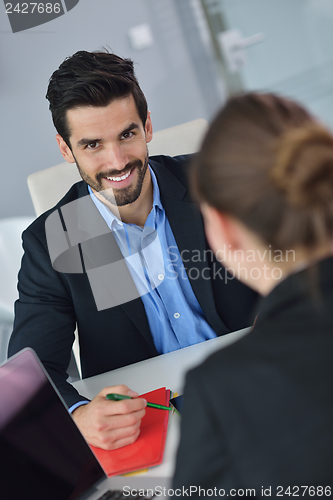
[43,455]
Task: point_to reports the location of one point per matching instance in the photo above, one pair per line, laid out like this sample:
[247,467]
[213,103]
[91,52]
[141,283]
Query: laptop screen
[42,452]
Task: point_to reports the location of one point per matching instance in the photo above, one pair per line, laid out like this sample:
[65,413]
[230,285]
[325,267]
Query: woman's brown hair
[266,161]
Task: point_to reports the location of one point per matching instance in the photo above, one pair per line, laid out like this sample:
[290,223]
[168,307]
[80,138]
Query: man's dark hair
[91,79]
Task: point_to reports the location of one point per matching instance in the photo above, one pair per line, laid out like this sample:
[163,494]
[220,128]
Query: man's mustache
[118,173]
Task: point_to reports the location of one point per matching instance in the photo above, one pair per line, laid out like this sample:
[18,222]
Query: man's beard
[122,196]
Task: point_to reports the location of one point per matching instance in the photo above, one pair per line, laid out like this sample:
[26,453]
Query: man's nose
[116,158]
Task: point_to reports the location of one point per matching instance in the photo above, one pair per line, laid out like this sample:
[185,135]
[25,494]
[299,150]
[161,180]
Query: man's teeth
[118,179]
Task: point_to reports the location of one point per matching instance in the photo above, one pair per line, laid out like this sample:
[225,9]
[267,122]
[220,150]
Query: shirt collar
[110,218]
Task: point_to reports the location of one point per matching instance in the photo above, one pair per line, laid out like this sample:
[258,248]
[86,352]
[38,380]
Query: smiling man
[109,147]
[108,257]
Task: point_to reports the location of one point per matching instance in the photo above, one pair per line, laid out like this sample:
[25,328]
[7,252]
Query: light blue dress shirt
[174,315]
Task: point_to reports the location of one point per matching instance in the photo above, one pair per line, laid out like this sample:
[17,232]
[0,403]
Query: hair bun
[304,167]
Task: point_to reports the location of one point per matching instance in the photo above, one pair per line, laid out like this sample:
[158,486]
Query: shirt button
[161,277]
[176,315]
[120,223]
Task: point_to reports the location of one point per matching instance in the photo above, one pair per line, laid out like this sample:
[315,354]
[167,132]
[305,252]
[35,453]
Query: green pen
[119,397]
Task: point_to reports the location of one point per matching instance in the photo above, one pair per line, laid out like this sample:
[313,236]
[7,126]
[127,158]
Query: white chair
[11,253]
[48,186]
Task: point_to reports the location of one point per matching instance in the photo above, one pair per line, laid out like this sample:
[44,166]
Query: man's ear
[149,128]
[65,150]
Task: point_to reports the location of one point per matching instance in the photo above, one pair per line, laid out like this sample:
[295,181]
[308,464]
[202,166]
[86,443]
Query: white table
[166,370]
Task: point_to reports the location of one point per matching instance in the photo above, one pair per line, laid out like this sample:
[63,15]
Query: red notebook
[148,449]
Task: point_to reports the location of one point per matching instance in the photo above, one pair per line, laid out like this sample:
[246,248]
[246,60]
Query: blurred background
[189,55]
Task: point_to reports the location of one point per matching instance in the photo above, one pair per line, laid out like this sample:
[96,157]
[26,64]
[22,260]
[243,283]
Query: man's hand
[111,424]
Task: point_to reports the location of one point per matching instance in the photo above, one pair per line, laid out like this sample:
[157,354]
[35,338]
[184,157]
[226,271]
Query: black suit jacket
[260,412]
[52,302]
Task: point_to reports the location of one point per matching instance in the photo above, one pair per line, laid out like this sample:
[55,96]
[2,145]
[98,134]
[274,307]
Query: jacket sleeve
[44,314]
[203,457]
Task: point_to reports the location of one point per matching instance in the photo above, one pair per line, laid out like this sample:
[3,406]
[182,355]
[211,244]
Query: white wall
[295,58]
[167,72]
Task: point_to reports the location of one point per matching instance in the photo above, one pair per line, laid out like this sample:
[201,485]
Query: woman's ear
[222,231]
[215,227]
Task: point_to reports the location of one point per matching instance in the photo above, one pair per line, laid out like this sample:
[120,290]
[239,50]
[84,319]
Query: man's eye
[92,145]
[128,135]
